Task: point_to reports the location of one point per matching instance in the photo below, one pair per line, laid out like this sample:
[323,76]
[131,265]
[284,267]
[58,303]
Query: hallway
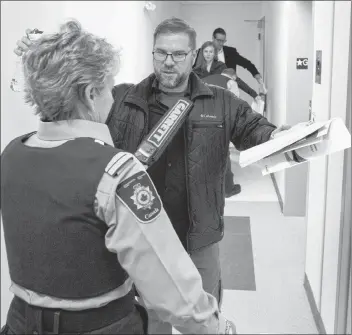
[278,304]
[281,274]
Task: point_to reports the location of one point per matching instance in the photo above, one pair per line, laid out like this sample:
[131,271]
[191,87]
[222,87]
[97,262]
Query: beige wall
[299,92]
[276,53]
[125,24]
[288,37]
[331,35]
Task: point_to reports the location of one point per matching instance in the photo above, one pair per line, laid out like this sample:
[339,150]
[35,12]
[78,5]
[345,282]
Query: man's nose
[169,60]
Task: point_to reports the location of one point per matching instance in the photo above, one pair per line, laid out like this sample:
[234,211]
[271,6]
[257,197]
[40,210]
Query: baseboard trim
[313,306]
[277,192]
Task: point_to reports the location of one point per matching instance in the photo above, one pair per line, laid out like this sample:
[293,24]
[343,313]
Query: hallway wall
[124,23]
[288,37]
[276,52]
[299,92]
[331,35]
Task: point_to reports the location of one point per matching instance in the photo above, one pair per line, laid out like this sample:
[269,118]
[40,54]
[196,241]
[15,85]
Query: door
[261,38]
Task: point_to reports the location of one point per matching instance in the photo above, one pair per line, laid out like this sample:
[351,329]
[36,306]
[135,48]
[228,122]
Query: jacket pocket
[208,124]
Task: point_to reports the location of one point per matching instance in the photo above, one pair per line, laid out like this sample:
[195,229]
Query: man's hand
[262,88]
[230,327]
[23,44]
[258,98]
[280,131]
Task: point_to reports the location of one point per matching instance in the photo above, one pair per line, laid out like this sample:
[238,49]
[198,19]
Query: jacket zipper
[187,189]
[145,128]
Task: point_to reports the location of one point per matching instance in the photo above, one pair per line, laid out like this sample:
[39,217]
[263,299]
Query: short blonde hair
[59,67]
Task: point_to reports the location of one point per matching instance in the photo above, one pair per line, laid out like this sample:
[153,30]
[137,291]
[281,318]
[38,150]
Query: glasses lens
[179,58]
[159,56]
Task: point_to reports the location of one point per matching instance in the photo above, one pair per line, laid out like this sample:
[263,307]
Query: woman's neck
[208,65]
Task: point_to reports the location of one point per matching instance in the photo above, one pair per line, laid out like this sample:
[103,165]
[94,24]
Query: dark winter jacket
[216,118]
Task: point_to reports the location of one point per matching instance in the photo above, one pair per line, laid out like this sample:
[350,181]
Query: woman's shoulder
[198,70]
[219,64]
[218,67]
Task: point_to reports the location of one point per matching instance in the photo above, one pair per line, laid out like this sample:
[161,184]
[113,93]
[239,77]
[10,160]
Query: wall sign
[302,63]
[318,65]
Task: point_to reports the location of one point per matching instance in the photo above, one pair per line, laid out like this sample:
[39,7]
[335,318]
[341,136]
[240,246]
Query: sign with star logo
[302,63]
[140,196]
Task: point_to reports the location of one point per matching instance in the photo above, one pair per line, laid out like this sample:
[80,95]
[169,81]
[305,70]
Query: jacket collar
[139,94]
[216,64]
[66,130]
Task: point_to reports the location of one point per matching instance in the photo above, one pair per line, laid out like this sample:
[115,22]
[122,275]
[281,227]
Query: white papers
[258,106]
[301,143]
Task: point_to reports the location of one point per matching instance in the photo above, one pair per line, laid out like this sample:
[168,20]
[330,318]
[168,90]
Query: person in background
[208,62]
[231,57]
[232,76]
[82,220]
[258,99]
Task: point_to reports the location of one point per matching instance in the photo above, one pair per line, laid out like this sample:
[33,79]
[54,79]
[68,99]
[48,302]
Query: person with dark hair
[231,57]
[208,61]
[189,176]
[232,76]
[83,222]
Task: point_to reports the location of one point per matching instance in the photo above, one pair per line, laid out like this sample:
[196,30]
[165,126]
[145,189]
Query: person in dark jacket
[231,57]
[189,176]
[208,63]
[82,220]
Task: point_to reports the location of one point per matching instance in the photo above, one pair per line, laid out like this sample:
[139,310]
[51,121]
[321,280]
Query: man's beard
[171,80]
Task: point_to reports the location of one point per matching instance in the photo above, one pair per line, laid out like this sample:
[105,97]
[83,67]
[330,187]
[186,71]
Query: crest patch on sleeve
[140,196]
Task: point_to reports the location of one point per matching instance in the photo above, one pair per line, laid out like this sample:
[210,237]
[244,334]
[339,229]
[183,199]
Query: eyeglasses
[220,41]
[177,57]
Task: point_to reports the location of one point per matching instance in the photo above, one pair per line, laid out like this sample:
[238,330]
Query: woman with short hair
[82,220]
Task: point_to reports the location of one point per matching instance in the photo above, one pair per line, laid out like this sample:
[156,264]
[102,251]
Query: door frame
[343,294]
[262,32]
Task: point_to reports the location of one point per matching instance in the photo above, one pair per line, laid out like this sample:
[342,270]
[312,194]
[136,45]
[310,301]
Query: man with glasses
[189,176]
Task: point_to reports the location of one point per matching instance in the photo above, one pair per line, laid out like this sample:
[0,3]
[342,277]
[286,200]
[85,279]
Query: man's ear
[87,96]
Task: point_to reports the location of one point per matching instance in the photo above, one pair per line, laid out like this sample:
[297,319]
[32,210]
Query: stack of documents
[300,144]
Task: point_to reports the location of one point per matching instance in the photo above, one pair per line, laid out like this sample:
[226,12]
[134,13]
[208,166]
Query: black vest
[54,241]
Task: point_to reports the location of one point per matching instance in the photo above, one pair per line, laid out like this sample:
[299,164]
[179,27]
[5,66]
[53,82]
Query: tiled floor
[279,304]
